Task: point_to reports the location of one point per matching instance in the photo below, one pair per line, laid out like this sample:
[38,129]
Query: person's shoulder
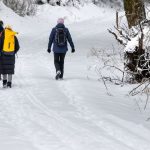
[53,29]
[66,29]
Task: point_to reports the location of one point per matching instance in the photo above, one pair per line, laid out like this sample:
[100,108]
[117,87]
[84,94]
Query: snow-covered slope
[39,113]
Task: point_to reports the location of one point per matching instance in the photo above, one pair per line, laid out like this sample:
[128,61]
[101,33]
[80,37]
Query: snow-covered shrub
[108,64]
[68,2]
[40,2]
[109,3]
[137,51]
[21,7]
[136,42]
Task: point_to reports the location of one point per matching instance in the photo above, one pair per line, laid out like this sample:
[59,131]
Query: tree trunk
[135,11]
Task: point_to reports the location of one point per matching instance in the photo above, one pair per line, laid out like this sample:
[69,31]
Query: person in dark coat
[1,30]
[7,62]
[59,48]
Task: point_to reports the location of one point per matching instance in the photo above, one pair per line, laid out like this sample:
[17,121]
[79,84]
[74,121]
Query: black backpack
[60,37]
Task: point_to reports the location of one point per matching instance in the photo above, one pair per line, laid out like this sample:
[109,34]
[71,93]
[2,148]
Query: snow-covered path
[39,113]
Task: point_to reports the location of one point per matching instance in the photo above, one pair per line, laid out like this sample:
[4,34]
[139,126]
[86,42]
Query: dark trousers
[59,62]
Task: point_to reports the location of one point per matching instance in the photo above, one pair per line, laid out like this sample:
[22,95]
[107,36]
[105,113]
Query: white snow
[39,113]
[132,44]
[130,47]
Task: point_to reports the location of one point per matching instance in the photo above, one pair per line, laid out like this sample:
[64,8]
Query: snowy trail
[44,127]
[48,129]
[61,120]
[39,113]
[121,131]
[34,116]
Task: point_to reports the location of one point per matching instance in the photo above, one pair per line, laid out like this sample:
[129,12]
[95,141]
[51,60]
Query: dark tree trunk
[135,11]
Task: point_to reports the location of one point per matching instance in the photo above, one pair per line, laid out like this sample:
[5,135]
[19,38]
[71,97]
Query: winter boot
[58,75]
[61,77]
[9,84]
[4,83]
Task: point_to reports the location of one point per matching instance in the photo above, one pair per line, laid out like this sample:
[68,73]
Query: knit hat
[60,20]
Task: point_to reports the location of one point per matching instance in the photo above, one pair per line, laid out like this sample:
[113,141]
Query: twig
[117,19]
[131,92]
[104,82]
[114,67]
[120,41]
[138,106]
[147,99]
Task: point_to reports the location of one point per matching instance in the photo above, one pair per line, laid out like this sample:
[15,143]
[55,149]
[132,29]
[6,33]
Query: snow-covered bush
[110,3]
[68,2]
[21,7]
[137,52]
[108,64]
[40,2]
[136,43]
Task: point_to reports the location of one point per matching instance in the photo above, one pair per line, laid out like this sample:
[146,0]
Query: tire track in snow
[18,111]
[124,134]
[22,116]
[70,134]
[44,127]
[83,111]
[42,117]
[120,132]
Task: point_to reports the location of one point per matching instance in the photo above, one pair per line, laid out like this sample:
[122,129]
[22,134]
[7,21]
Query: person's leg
[5,77]
[57,65]
[4,80]
[56,62]
[62,58]
[9,83]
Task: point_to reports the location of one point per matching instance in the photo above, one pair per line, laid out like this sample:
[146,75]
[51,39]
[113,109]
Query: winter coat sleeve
[70,39]
[0,45]
[51,38]
[17,47]
[1,41]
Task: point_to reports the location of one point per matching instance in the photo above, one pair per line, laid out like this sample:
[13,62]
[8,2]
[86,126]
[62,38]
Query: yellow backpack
[9,41]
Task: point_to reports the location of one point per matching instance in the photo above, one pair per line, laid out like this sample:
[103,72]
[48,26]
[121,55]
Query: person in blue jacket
[59,38]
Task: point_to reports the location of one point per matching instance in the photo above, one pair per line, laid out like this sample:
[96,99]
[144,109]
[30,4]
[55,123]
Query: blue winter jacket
[56,48]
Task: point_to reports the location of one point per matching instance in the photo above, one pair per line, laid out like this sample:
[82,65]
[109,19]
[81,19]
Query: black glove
[73,50]
[48,50]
